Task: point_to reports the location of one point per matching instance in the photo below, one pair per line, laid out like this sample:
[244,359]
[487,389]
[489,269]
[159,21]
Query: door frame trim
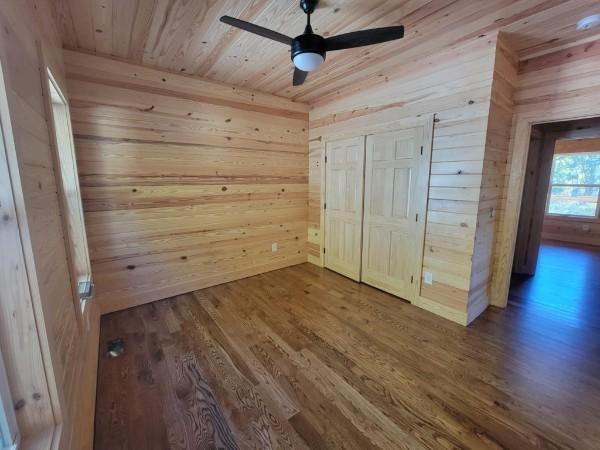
[423,183]
[519,150]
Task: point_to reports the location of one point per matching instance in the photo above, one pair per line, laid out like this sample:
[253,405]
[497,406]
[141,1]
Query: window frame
[57,99]
[595,217]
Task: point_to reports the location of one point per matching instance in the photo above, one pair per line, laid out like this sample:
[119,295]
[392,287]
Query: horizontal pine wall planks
[456,85]
[558,86]
[185,183]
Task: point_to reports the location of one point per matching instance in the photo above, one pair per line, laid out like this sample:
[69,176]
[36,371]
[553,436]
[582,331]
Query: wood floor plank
[304,358]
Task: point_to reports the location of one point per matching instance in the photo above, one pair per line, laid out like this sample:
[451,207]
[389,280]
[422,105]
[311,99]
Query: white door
[344,179]
[396,179]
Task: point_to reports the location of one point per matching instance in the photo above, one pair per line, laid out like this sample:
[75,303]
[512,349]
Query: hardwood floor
[565,288]
[305,358]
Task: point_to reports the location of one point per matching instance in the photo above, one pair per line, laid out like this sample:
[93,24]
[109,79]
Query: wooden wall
[574,231]
[533,201]
[582,145]
[47,349]
[186,183]
[456,85]
[493,178]
[558,86]
[564,82]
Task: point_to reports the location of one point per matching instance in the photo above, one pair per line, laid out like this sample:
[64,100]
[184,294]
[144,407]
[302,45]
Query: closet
[344,181]
[375,206]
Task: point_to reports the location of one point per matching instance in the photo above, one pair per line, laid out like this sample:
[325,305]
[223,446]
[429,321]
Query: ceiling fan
[309,49]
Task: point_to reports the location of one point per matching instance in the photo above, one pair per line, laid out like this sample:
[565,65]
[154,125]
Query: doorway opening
[557,251]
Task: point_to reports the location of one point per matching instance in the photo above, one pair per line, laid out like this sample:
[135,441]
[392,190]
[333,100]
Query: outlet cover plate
[428,277]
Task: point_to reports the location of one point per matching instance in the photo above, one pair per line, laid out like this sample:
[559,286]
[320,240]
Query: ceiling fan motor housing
[308,6]
[308,50]
[308,43]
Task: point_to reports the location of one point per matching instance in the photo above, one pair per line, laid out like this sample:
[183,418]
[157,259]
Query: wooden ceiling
[186,35]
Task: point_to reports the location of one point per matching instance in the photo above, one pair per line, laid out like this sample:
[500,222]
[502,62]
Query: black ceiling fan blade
[365,37]
[299,76]
[256,29]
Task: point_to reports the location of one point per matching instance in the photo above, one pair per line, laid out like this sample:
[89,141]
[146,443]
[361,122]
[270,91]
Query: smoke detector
[588,22]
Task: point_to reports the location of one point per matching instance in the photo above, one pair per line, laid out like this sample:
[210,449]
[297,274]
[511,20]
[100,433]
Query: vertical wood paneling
[315,161]
[34,193]
[18,333]
[185,183]
[49,343]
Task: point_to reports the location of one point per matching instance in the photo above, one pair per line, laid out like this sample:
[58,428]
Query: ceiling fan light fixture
[309,50]
[308,61]
[588,22]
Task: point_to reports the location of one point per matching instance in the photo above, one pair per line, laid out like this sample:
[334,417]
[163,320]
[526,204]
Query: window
[68,181]
[575,185]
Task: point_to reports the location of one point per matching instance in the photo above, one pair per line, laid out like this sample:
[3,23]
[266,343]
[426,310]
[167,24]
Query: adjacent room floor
[565,289]
[303,357]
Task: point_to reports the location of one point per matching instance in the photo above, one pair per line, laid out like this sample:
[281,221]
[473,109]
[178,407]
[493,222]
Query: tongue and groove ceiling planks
[186,36]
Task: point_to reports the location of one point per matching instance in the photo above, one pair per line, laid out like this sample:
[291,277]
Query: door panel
[391,244]
[344,179]
[401,203]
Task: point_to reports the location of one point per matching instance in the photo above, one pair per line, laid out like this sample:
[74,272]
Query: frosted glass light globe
[308,61]
[588,22]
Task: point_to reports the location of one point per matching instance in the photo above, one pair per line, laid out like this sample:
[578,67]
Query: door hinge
[411,279]
[323,250]
[421,149]
[324,205]
[86,290]
[417,218]
[326,160]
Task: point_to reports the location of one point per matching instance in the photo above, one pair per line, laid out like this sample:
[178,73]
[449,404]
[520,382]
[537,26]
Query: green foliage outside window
[575,184]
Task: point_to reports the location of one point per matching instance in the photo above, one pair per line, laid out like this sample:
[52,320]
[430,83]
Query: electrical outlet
[274,247]
[428,277]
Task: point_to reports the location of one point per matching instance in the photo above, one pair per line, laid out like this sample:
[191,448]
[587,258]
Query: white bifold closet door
[393,209]
[344,176]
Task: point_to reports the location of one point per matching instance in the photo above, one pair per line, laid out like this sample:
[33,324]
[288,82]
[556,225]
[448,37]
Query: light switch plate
[428,277]
[274,247]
